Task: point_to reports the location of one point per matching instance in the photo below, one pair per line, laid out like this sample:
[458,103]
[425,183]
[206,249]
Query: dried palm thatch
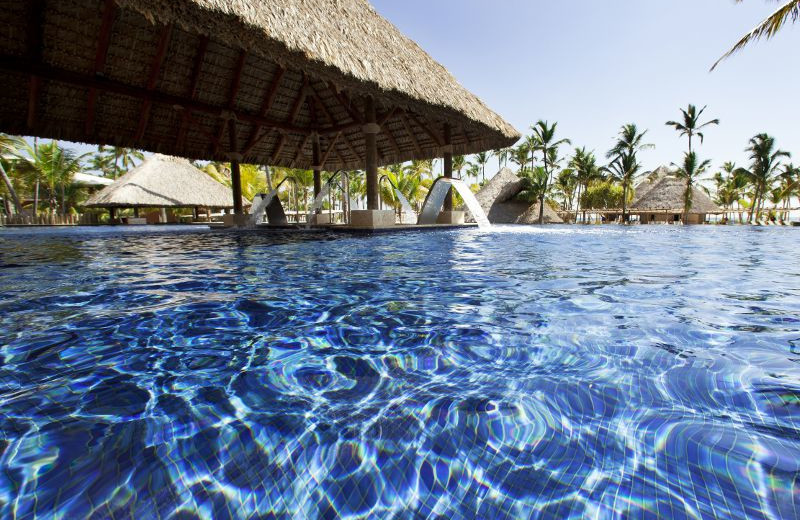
[498,200]
[664,194]
[281,82]
[162,181]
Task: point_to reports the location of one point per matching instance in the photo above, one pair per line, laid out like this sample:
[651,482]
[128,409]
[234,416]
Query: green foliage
[604,195]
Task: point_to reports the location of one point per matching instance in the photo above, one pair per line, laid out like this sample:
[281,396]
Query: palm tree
[544,135]
[119,159]
[690,171]
[535,185]
[625,163]
[567,183]
[55,166]
[502,155]
[790,182]
[624,169]
[520,156]
[480,160]
[9,147]
[691,125]
[765,162]
[459,163]
[586,170]
[790,10]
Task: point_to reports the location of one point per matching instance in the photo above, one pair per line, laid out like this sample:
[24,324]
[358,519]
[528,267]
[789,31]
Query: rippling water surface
[580,372]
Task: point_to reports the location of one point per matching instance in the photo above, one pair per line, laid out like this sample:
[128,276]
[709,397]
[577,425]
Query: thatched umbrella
[163,182]
[662,194]
[498,200]
[309,84]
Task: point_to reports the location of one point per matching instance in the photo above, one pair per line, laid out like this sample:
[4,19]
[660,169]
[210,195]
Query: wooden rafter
[346,104]
[300,148]
[331,147]
[350,146]
[191,93]
[427,129]
[269,98]
[103,43]
[233,92]
[392,140]
[34,52]
[410,133]
[152,78]
[278,148]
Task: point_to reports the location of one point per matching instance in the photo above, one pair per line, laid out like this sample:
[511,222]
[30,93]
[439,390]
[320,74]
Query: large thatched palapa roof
[662,192]
[162,181]
[497,198]
[258,80]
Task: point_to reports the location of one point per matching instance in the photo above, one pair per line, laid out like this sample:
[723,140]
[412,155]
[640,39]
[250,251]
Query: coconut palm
[520,155]
[764,167]
[789,187]
[586,170]
[119,159]
[545,141]
[790,10]
[624,169]
[502,155]
[480,160]
[535,185]
[54,166]
[691,125]
[690,171]
[566,184]
[625,163]
[9,146]
[459,163]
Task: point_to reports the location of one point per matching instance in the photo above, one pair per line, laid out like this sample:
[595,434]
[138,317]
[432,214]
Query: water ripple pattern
[542,373]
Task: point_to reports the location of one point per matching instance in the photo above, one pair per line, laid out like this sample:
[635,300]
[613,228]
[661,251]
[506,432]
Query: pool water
[557,372]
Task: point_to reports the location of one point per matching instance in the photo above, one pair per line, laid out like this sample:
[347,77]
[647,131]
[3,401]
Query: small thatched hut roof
[498,200]
[662,192]
[162,181]
[263,81]
[90,181]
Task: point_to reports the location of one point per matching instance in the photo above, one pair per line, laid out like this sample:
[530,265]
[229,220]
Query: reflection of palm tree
[690,171]
[768,28]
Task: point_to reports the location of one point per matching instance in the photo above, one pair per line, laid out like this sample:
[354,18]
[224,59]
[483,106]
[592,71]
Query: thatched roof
[162,181]
[175,76]
[497,198]
[90,181]
[663,193]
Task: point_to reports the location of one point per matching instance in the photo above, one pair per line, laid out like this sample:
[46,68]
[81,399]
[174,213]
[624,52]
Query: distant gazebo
[162,182]
[659,200]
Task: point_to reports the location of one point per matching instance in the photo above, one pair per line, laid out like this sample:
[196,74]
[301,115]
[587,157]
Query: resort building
[659,200]
[241,82]
[162,183]
[499,200]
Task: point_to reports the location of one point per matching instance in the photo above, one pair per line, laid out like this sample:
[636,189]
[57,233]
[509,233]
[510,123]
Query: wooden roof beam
[411,134]
[266,105]
[103,43]
[426,128]
[34,52]
[331,147]
[346,104]
[152,78]
[191,94]
[233,92]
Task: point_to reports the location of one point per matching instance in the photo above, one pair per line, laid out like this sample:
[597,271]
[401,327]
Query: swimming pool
[557,372]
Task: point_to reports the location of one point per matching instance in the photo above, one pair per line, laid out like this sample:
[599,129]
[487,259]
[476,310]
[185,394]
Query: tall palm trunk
[624,203]
[36,199]
[10,188]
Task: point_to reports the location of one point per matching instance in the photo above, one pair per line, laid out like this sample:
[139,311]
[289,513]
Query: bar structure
[238,82]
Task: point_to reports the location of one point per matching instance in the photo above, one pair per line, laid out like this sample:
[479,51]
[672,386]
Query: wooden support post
[448,165]
[236,173]
[317,166]
[371,130]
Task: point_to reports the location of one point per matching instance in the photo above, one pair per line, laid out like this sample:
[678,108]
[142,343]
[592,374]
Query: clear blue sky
[593,65]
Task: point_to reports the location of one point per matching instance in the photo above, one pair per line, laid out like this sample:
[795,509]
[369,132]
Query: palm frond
[766,29]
